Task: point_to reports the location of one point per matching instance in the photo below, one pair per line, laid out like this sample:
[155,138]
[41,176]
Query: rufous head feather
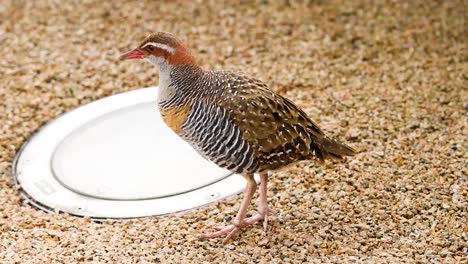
[162,47]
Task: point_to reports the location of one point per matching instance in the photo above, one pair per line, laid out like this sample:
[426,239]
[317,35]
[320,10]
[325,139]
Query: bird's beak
[135,54]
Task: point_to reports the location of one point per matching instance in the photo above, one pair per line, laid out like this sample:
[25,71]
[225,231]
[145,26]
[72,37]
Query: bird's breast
[175,116]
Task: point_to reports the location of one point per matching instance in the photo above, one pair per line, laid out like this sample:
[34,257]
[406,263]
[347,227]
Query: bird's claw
[232,230]
[233,233]
[264,217]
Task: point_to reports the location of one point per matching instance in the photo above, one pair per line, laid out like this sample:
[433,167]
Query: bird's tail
[336,149]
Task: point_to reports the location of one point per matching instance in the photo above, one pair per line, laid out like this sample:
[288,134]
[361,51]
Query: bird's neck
[166,90]
[177,84]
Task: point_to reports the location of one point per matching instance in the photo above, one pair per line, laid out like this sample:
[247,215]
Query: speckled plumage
[262,131]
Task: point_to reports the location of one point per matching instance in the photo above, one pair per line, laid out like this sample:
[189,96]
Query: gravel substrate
[388,77]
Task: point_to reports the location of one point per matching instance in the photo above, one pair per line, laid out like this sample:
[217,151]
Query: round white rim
[39,187]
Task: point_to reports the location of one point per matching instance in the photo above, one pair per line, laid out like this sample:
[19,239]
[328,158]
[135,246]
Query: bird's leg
[239,221]
[262,204]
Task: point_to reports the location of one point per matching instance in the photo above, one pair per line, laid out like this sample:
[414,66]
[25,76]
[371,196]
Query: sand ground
[389,77]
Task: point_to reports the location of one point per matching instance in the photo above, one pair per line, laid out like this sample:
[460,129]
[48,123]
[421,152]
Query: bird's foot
[232,230]
[264,217]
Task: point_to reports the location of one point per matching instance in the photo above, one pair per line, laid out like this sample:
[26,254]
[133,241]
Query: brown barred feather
[277,131]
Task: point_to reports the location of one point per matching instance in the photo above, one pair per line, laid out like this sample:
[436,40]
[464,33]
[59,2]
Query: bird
[234,121]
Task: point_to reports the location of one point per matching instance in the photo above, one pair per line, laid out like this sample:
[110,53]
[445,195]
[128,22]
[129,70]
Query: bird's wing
[278,131]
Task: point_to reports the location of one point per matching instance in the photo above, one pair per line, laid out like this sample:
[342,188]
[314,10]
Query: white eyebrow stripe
[161,46]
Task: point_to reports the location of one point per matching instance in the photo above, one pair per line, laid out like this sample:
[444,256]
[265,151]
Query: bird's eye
[150,47]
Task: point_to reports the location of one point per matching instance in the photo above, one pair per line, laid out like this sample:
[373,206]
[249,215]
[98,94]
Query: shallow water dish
[115,158]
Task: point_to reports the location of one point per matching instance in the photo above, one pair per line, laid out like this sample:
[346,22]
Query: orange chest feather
[175,117]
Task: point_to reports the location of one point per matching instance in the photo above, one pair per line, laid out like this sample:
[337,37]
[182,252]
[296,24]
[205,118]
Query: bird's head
[162,48]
